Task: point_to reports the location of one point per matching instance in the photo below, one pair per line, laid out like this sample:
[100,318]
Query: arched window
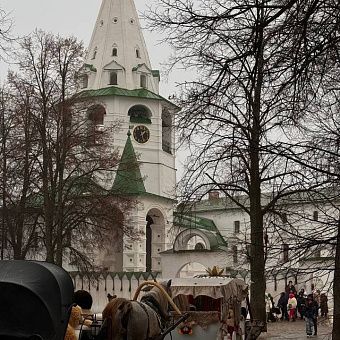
[140,114]
[84,81]
[166,131]
[148,247]
[114,52]
[143,81]
[199,246]
[95,115]
[137,53]
[113,78]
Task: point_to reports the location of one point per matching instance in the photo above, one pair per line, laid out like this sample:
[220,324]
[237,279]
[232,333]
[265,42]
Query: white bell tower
[118,77]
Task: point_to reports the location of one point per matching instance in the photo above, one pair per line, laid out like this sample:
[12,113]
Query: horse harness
[154,305]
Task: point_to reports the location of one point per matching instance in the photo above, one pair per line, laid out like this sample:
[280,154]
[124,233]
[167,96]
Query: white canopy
[215,287]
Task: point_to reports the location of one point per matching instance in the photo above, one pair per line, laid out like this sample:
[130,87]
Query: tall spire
[128,180]
[117,54]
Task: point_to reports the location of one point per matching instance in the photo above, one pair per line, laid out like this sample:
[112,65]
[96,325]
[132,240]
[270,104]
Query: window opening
[315,215]
[114,52]
[285,248]
[137,53]
[199,246]
[113,78]
[143,81]
[284,218]
[166,131]
[236,227]
[148,246]
[96,124]
[140,114]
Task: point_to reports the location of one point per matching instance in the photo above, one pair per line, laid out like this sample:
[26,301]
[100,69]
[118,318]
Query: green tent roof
[128,179]
[117,91]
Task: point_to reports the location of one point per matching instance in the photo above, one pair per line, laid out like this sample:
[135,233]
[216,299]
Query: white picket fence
[120,284]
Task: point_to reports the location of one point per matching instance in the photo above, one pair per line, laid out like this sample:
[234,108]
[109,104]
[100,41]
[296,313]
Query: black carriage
[35,300]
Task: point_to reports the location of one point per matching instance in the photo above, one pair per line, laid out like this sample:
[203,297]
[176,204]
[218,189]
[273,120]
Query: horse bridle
[156,309]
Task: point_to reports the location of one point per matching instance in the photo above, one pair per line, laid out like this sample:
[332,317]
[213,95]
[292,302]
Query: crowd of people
[292,305]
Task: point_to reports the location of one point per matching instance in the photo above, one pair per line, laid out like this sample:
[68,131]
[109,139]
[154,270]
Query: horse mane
[155,295]
[110,312]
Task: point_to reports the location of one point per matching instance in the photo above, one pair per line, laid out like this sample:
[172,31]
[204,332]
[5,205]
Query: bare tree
[6,38]
[69,158]
[255,63]
[321,154]
[18,173]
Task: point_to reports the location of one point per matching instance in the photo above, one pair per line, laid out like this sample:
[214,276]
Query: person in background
[290,288]
[84,299]
[311,313]
[291,306]
[316,298]
[269,307]
[301,303]
[282,304]
[324,305]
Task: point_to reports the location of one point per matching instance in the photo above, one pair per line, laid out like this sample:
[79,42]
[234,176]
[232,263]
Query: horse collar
[154,305]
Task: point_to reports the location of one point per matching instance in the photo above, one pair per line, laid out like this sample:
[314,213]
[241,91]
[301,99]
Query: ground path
[284,330]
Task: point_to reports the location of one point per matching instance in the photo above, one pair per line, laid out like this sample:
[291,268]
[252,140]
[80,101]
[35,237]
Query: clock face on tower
[141,134]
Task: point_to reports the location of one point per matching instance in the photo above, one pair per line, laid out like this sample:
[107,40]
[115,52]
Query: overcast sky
[77,17]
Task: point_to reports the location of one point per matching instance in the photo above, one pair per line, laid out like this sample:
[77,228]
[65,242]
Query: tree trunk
[257,258]
[257,262]
[336,290]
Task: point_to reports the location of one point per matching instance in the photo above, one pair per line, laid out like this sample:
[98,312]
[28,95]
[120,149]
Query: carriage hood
[35,299]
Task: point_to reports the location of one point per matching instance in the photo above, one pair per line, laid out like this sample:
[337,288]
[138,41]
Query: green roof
[117,91]
[204,224]
[138,66]
[128,180]
[190,221]
[83,185]
[74,187]
[156,74]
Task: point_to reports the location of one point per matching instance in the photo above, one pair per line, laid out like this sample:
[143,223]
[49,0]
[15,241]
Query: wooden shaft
[156,284]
